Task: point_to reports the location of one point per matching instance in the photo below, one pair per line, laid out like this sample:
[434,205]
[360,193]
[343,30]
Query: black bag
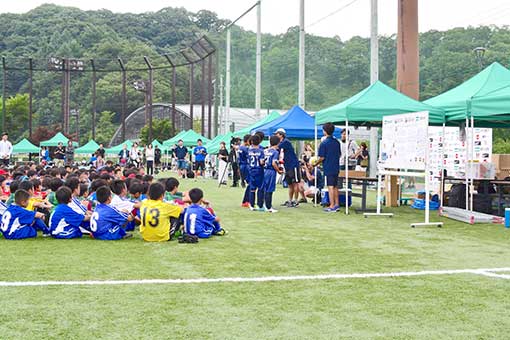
[457,196]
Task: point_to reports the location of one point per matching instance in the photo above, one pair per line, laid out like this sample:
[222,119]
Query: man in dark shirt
[180,152]
[329,156]
[292,172]
[101,151]
[59,154]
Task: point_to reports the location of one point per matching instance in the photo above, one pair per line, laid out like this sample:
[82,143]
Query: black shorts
[332,180]
[292,175]
[200,165]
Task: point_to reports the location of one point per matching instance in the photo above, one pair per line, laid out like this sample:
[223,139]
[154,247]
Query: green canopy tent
[117,148]
[369,106]
[482,98]
[24,146]
[58,138]
[190,137]
[159,145]
[88,148]
[247,130]
[170,142]
[214,146]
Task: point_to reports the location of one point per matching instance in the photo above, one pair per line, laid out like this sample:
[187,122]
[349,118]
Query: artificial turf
[300,241]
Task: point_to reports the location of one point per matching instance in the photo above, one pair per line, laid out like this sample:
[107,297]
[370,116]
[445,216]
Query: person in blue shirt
[181,152]
[200,152]
[256,170]
[329,156]
[20,223]
[107,222]
[64,221]
[271,167]
[244,170]
[292,171]
[198,220]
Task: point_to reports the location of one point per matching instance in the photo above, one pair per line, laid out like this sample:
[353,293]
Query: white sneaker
[271,210]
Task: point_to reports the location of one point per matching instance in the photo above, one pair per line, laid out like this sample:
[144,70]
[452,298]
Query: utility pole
[30,96]
[94,107]
[301,85]
[221,108]
[258,71]
[374,77]
[227,84]
[4,93]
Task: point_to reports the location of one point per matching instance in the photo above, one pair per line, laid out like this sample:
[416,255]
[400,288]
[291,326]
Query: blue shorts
[269,180]
[332,180]
[182,164]
[245,172]
[256,179]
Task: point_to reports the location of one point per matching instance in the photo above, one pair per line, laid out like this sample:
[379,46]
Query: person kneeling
[107,222]
[65,222]
[18,222]
[198,220]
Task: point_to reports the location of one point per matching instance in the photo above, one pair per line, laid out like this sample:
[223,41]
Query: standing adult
[157,158]
[101,151]
[149,159]
[233,158]
[5,149]
[123,155]
[222,164]
[350,150]
[180,153]
[291,164]
[134,155]
[69,152]
[59,154]
[329,156]
[200,153]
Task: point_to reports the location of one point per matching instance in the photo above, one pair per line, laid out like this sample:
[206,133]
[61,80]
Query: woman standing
[123,155]
[134,157]
[69,152]
[223,162]
[149,159]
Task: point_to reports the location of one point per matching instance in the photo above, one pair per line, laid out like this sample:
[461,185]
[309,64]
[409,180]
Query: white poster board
[451,151]
[404,141]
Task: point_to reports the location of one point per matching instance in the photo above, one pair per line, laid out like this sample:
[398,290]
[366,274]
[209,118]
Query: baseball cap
[281,131]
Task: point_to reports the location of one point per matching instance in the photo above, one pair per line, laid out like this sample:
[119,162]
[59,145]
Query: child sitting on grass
[65,222]
[107,222]
[19,222]
[155,215]
[200,221]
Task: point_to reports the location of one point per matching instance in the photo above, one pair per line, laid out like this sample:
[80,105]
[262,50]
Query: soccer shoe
[128,235]
[303,200]
[187,238]
[222,232]
[294,204]
[245,204]
[271,210]
[286,204]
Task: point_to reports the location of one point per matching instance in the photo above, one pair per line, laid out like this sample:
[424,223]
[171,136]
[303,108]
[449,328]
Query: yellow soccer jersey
[155,216]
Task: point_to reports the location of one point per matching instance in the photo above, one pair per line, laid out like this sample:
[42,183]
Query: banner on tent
[403,139]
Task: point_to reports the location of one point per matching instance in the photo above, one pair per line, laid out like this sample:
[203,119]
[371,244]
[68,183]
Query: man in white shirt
[5,149]
[350,149]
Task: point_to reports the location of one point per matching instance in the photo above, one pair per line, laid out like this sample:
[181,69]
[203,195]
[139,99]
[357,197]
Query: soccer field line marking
[490,272]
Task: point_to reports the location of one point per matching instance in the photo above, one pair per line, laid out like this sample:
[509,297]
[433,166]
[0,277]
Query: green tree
[16,115]
[161,130]
[105,128]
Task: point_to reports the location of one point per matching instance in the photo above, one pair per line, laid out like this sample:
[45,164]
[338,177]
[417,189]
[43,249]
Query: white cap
[281,130]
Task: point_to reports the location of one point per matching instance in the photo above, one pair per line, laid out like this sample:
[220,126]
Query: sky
[329,18]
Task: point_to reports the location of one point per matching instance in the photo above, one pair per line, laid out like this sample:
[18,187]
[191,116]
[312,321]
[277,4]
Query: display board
[404,141]
[450,150]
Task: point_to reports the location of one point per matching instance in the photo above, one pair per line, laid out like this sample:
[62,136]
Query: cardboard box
[353,173]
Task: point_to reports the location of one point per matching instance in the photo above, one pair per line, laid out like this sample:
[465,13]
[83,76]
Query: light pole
[76,113]
[141,85]
[479,54]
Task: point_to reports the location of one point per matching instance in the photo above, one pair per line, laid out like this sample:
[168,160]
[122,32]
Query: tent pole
[442,168]
[346,166]
[472,158]
[466,162]
[315,168]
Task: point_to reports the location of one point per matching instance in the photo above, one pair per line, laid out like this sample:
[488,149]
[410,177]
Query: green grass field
[302,241]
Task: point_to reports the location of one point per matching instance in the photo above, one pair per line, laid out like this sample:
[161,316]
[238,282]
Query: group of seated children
[108,212]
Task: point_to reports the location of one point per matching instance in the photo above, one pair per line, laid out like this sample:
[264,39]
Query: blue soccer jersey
[243,155]
[200,152]
[271,156]
[200,222]
[18,223]
[65,222]
[106,223]
[256,169]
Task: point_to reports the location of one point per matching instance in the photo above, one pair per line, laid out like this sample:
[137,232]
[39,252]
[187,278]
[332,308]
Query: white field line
[492,274]
[480,271]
